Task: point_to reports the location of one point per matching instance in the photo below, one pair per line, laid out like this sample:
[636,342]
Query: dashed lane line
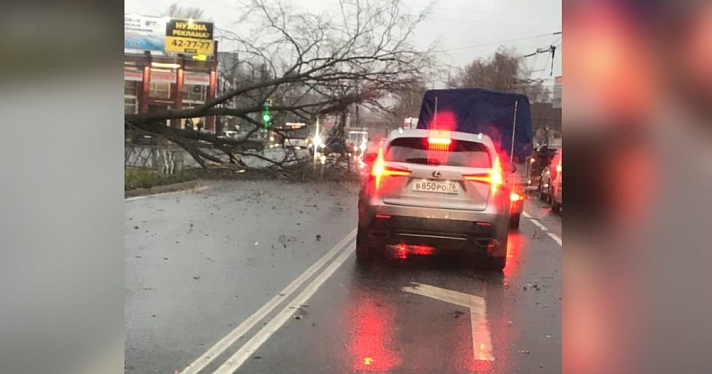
[539,225]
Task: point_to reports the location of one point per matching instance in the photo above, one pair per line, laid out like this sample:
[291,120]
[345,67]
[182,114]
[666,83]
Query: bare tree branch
[310,64]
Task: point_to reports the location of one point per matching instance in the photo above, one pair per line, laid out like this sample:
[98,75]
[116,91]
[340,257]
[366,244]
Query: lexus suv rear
[434,191]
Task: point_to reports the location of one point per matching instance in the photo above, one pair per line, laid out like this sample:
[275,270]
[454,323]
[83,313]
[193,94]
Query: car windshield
[418,151]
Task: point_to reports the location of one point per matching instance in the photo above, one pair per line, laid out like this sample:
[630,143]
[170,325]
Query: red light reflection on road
[481,366]
[515,243]
[422,250]
[401,252]
[371,335]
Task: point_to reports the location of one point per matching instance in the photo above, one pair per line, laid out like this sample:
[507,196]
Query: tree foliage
[503,71]
[177,11]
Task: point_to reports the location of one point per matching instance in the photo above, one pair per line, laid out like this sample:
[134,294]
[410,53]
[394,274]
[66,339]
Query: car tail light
[439,141]
[558,167]
[439,144]
[380,169]
[494,177]
[515,197]
[497,178]
[484,178]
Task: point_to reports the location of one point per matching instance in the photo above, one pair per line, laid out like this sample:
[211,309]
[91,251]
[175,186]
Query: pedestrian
[189,124]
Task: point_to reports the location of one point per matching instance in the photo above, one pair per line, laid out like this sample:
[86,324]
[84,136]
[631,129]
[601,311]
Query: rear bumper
[476,232]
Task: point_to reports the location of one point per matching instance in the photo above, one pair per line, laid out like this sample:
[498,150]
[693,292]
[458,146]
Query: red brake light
[439,141]
[515,197]
[439,144]
[494,177]
[381,170]
[389,171]
[497,179]
[484,178]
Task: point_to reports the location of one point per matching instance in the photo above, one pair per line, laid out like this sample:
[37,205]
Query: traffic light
[266,114]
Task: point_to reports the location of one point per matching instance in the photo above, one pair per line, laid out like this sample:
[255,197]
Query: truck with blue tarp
[503,116]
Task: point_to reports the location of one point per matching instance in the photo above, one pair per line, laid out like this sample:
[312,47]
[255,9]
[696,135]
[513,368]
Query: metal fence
[168,160]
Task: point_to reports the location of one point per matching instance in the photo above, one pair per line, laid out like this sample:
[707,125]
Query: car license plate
[440,187]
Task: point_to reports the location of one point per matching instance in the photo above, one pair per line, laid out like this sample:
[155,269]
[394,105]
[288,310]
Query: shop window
[130,97]
[160,90]
[131,88]
[130,104]
[195,93]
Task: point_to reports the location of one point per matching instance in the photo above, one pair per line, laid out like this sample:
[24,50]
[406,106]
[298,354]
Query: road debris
[458,314]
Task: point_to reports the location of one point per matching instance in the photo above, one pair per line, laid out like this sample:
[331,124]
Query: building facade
[156,82]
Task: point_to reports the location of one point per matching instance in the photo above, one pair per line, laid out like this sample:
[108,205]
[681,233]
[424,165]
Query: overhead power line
[508,15]
[499,42]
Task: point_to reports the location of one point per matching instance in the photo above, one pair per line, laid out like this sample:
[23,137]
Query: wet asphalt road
[234,279]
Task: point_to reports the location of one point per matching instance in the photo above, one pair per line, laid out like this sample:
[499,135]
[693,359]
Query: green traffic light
[266,117]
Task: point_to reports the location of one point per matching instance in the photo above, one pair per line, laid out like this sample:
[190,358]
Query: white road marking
[202,188]
[246,351]
[526,215]
[539,225]
[556,238]
[481,337]
[249,323]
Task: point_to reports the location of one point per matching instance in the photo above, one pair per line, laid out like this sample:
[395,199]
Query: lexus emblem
[436,174]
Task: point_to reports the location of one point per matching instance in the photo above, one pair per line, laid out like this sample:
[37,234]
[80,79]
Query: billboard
[142,33]
[189,37]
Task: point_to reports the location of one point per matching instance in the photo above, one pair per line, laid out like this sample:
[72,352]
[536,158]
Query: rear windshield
[418,151]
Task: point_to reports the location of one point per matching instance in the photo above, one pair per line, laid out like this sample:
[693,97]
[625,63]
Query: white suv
[434,191]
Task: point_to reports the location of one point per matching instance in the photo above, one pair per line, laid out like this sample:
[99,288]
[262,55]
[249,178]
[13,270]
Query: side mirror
[369,158]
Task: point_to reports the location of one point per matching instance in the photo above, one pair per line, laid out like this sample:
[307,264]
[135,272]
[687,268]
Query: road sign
[189,37]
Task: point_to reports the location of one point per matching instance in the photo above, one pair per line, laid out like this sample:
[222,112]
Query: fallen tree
[309,65]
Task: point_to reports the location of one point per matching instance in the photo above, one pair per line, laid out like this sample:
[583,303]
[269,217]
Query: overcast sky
[464,29]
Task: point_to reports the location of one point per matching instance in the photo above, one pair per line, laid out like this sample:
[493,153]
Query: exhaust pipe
[487,243]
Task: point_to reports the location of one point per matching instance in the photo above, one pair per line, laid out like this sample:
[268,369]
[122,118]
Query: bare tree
[406,104]
[506,71]
[309,64]
[177,11]
[503,71]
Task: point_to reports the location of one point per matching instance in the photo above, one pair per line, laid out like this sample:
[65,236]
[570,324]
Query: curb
[161,189]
